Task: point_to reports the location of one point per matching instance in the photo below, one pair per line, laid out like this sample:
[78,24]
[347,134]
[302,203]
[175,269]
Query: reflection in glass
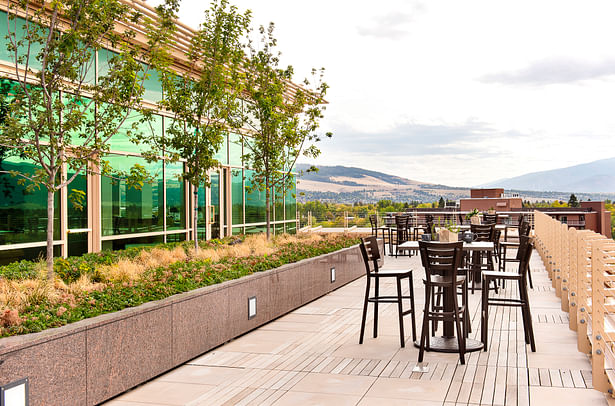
[235,150]
[176,197]
[23,213]
[279,205]
[77,210]
[222,154]
[255,201]
[215,203]
[291,202]
[237,196]
[128,210]
[121,141]
[122,244]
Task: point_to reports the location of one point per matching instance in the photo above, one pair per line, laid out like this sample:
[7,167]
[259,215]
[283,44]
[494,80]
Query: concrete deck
[312,357]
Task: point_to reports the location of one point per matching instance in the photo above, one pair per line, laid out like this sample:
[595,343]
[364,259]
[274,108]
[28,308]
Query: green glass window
[33,254]
[215,203]
[201,220]
[79,135]
[17,27]
[235,150]
[291,228]
[23,213]
[77,206]
[176,197]
[256,229]
[122,244]
[222,154]
[255,202]
[152,85]
[168,122]
[237,196]
[122,140]
[279,205]
[179,237]
[237,230]
[104,60]
[128,210]
[278,228]
[291,202]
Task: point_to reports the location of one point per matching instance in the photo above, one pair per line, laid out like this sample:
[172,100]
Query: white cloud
[470,74]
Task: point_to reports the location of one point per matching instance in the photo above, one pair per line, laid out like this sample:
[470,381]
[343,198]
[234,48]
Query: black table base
[449,344]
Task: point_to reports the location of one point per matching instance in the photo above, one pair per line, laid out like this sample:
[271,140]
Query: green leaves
[283,118]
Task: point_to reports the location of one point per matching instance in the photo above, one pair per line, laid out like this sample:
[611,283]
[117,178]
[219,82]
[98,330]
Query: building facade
[116,216]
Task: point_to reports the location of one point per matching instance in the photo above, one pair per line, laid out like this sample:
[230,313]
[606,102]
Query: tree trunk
[50,214]
[268,210]
[195,219]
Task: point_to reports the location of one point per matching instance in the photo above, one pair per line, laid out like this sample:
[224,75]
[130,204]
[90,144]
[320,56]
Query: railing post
[564,266]
[584,307]
[573,275]
[599,292]
[557,258]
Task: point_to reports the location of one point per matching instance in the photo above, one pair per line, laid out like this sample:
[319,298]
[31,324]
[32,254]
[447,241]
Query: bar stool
[441,262]
[524,230]
[402,231]
[524,254]
[484,232]
[371,256]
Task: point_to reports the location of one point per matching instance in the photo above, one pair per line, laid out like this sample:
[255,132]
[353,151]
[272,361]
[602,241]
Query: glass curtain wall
[127,210]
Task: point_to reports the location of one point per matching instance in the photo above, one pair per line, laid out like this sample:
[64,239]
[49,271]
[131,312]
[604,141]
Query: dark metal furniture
[371,257]
[524,230]
[524,254]
[484,233]
[441,262]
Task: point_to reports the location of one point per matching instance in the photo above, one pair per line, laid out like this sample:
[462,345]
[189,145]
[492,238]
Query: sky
[452,92]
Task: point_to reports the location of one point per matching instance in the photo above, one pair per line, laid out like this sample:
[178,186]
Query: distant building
[590,216]
[485,199]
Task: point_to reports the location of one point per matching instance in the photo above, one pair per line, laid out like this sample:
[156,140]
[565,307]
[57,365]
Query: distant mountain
[593,177]
[341,184]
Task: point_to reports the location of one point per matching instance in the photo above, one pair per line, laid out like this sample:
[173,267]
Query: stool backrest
[373,220]
[401,221]
[524,253]
[442,259]
[490,218]
[370,253]
[520,219]
[524,228]
[484,232]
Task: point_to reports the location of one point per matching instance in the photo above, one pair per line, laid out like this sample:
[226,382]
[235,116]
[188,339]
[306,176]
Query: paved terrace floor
[311,356]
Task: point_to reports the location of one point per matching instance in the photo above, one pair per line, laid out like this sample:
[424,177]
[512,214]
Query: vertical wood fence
[581,265]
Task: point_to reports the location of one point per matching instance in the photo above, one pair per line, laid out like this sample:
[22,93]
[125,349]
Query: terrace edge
[93,360]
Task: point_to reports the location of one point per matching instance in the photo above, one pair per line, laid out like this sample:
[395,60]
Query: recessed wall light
[15,393]
[251,307]
[332,275]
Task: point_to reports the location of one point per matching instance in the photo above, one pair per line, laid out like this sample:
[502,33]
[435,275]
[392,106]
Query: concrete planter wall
[90,361]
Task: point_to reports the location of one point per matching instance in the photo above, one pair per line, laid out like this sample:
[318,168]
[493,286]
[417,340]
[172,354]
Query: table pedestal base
[449,344]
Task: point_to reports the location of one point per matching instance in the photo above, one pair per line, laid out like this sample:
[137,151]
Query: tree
[573,201]
[205,99]
[58,115]
[441,202]
[282,118]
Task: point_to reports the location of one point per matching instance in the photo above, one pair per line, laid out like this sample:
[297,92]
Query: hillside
[592,177]
[342,184]
[349,184]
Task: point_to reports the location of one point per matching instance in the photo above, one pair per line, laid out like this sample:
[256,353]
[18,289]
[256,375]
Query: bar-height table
[447,342]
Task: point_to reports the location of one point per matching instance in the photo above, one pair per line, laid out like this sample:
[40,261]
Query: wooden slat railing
[581,265]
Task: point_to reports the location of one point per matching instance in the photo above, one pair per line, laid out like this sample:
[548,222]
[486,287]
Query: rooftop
[312,356]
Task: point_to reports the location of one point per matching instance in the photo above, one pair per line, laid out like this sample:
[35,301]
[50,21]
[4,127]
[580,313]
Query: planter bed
[90,361]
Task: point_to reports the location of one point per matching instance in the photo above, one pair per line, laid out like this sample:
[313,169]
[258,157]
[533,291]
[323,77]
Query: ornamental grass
[109,281]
